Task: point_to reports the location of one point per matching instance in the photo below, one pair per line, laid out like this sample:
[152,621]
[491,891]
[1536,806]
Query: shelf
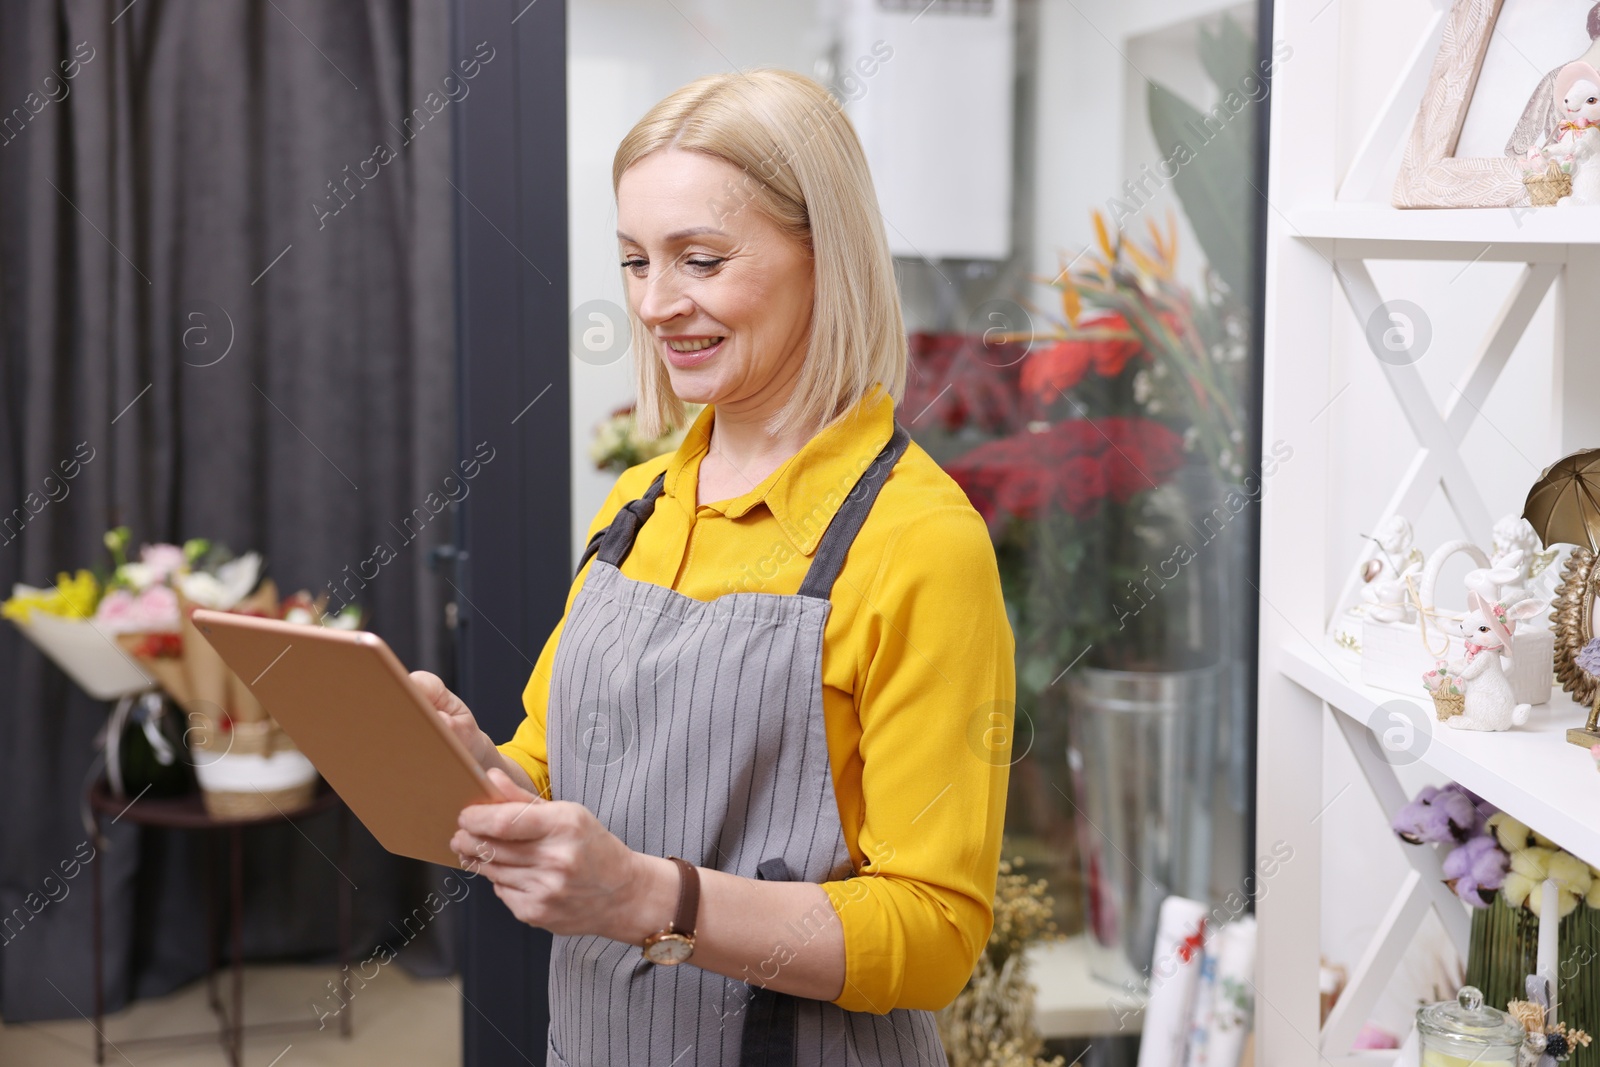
[1529,771]
[1070,1001]
[1460,226]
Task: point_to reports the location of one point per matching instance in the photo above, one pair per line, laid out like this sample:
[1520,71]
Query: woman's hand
[555,866]
[456,716]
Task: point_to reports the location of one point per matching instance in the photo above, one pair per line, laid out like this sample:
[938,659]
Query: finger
[511,790]
[432,688]
[522,820]
[500,861]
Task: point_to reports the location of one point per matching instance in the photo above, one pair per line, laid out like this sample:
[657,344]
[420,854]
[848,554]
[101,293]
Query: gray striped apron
[694,728]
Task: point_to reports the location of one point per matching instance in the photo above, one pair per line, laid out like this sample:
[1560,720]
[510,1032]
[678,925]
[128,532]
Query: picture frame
[1572,618]
[1431,175]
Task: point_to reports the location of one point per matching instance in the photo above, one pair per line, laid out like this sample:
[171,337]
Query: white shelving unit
[1324,226]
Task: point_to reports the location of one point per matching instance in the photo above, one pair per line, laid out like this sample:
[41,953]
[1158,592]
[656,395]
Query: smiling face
[724,292]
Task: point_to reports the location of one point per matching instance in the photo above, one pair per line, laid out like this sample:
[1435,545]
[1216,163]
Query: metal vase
[1142,748]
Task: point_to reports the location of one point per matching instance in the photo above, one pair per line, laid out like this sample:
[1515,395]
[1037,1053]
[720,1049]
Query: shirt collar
[806,490]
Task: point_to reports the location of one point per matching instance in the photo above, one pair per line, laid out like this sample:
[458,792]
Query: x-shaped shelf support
[1440,435]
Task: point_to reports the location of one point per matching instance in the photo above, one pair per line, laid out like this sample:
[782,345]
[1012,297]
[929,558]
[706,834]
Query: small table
[189,813]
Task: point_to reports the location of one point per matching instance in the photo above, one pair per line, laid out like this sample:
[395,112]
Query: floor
[396,1019]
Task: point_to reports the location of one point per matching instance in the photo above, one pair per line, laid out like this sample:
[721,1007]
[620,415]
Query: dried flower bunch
[1557,1042]
[990,1024]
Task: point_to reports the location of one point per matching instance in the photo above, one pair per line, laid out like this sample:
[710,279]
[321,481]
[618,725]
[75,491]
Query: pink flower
[122,612]
[116,611]
[163,560]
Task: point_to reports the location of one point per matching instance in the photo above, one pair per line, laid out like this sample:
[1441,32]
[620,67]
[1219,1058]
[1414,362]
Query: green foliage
[1218,148]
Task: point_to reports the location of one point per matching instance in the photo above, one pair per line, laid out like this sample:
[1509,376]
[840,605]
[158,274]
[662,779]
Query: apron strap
[771,1018]
[615,541]
[841,532]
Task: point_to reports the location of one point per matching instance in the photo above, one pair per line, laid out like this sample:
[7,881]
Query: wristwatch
[675,944]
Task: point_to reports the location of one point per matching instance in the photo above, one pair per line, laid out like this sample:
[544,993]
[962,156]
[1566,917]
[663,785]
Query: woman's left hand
[552,863]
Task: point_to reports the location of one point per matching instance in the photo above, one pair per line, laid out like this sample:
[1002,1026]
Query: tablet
[345,700]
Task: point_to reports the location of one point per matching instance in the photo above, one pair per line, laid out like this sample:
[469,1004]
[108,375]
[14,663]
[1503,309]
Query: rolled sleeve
[936,699]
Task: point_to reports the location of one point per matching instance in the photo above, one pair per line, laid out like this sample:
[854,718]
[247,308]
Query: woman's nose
[663,299]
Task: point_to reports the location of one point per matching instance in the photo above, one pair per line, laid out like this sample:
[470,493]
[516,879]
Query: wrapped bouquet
[130,631]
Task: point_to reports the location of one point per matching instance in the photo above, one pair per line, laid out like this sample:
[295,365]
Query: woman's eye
[635,263]
[703,264]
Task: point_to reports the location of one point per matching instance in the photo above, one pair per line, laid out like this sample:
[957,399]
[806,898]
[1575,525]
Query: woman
[759,791]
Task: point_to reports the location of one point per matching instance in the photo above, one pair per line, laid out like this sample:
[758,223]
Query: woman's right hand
[457,717]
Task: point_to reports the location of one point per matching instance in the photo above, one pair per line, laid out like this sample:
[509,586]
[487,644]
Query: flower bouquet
[139,616]
[618,445]
[60,622]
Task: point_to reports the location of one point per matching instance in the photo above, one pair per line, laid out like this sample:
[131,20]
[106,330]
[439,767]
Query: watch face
[668,949]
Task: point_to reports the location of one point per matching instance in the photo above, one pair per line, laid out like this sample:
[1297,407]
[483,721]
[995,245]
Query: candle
[1433,1058]
[1549,949]
[1467,1032]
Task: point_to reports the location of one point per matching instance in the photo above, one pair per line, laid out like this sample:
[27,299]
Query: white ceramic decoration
[1397,548]
[1390,599]
[1394,655]
[1499,581]
[1540,568]
[1578,89]
[1384,594]
[1487,632]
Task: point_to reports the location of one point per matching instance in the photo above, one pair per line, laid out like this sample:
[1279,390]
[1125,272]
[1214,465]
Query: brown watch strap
[688,897]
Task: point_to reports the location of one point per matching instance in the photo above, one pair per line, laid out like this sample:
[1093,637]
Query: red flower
[1082,480]
[159,646]
[1074,465]
[953,380]
[1066,363]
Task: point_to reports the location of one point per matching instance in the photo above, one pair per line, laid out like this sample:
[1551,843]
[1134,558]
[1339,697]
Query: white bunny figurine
[1388,599]
[1578,88]
[1488,630]
[1501,581]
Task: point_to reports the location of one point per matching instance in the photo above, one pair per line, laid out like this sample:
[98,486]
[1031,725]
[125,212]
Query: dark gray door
[512,574]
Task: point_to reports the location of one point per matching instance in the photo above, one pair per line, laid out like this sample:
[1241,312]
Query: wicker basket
[259,803]
[261,773]
[1545,189]
[1447,705]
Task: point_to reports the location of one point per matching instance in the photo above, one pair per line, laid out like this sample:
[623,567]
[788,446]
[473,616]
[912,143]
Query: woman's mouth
[684,352]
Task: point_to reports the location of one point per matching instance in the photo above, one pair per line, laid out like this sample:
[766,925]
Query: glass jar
[1466,1033]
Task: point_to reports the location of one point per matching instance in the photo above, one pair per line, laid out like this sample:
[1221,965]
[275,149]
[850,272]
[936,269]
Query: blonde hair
[802,165]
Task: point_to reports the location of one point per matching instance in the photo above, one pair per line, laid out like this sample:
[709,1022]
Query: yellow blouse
[918,683]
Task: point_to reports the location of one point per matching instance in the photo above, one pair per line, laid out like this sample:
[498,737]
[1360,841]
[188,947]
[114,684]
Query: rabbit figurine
[1578,88]
[1488,630]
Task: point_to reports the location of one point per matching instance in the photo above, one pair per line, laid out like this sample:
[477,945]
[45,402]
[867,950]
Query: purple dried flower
[1588,657]
[1475,870]
[1441,815]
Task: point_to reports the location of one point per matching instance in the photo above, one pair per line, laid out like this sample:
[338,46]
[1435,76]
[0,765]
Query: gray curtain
[180,299]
